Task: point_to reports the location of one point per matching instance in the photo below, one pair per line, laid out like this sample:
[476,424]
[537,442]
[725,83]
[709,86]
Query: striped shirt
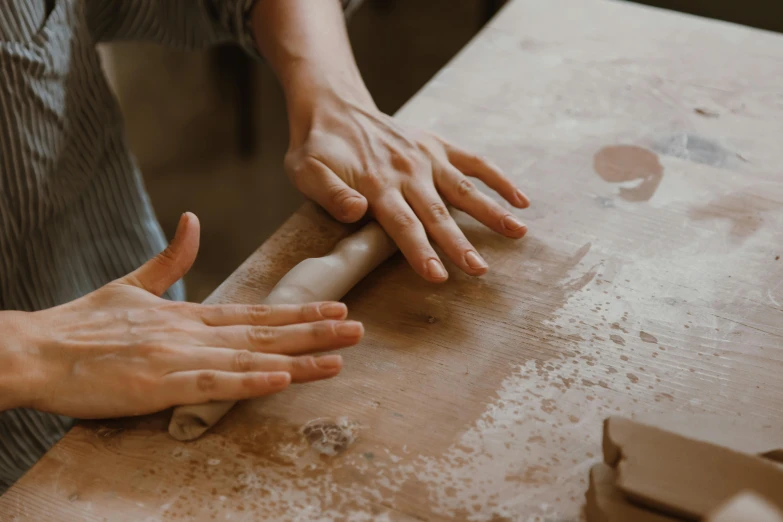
[74,214]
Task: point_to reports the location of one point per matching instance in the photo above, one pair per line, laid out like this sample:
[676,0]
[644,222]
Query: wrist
[310,92]
[17,361]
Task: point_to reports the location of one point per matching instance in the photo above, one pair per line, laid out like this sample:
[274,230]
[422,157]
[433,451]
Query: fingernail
[511,223]
[333,310]
[349,329]
[436,269]
[475,261]
[522,198]
[279,379]
[329,362]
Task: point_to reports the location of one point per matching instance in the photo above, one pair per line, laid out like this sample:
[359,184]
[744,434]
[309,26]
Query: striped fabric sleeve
[234,17]
[182,24]
[185,24]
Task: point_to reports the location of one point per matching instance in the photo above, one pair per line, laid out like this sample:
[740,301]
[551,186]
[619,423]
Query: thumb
[319,183]
[168,267]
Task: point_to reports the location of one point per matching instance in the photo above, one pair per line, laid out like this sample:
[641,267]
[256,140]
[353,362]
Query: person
[93,321]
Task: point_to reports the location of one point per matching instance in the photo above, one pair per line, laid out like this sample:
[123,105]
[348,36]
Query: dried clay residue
[744,211]
[261,467]
[695,148]
[648,338]
[617,339]
[623,163]
[707,113]
[329,437]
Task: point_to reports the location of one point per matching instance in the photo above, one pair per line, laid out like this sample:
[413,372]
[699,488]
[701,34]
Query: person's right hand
[122,350]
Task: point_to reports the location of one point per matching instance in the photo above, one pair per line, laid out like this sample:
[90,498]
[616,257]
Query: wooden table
[650,281]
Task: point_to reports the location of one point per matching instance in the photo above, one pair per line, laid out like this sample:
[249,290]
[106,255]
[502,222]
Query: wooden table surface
[650,281]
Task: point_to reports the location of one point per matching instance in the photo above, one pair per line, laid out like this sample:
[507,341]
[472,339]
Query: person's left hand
[350,157]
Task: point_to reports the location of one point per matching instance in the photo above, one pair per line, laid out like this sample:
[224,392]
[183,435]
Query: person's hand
[349,157]
[122,350]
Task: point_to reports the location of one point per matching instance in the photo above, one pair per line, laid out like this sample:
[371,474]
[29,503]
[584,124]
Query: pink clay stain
[622,163]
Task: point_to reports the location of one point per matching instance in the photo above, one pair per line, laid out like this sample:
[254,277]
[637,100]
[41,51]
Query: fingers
[403,226]
[317,181]
[168,267]
[265,315]
[291,339]
[220,374]
[442,228]
[199,386]
[460,192]
[483,169]
[301,369]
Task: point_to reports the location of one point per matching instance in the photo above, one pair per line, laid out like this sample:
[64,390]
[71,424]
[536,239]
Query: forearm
[15,361]
[306,43]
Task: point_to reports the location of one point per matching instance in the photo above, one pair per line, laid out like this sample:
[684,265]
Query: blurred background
[209,129]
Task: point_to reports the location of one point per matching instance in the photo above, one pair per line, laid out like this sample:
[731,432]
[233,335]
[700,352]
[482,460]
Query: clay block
[604,503]
[684,477]
[746,435]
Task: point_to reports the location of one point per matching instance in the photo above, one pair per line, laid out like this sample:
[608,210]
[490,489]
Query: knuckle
[374,181]
[402,162]
[210,314]
[498,214]
[261,335]
[176,307]
[432,148]
[141,385]
[291,161]
[311,312]
[297,166]
[475,158]
[167,257]
[253,386]
[324,329]
[309,163]
[438,211]
[465,187]
[259,313]
[403,220]
[145,349]
[206,381]
[244,361]
[303,363]
[464,247]
[338,193]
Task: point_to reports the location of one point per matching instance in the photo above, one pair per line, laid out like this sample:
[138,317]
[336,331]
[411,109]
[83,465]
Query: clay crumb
[777,258]
[707,113]
[329,437]
[644,336]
